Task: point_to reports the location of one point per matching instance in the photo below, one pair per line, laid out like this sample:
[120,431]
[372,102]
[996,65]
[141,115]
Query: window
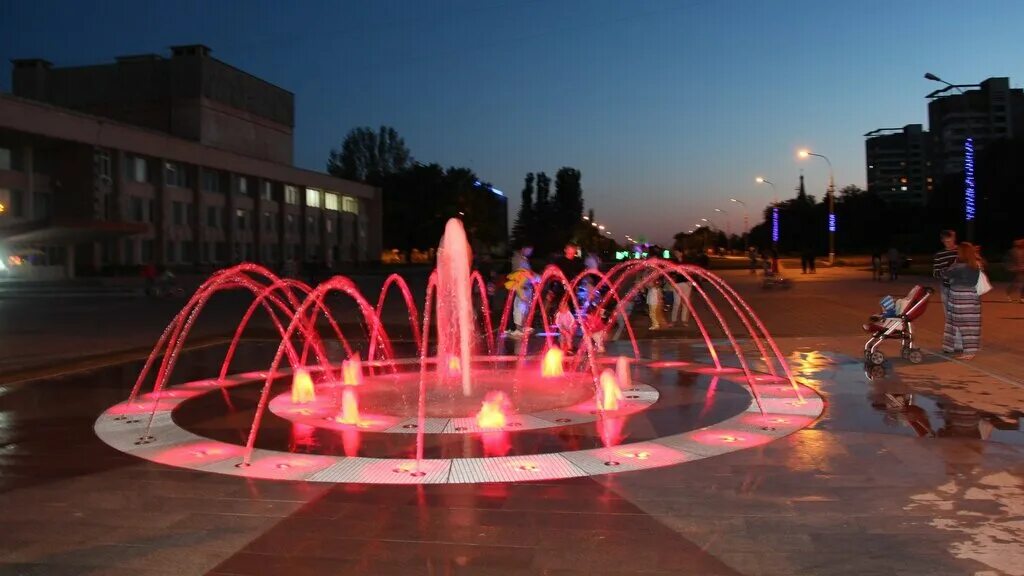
[289,220]
[291,195]
[5,159]
[135,169]
[331,201]
[211,181]
[268,222]
[147,250]
[151,214]
[40,205]
[312,198]
[310,224]
[213,216]
[171,255]
[101,164]
[221,253]
[242,217]
[178,209]
[350,205]
[243,186]
[187,251]
[138,213]
[327,225]
[267,191]
[175,175]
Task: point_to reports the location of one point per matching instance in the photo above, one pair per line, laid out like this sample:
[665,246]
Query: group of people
[588,311]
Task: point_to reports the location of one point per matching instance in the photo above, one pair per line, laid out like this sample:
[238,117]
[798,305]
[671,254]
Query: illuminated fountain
[461,379]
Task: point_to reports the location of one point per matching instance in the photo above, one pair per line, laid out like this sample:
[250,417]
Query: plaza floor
[917,471]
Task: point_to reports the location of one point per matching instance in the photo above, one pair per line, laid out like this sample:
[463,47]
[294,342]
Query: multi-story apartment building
[991,111]
[179,162]
[899,164]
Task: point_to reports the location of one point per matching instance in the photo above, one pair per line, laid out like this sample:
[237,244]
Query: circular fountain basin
[703,413]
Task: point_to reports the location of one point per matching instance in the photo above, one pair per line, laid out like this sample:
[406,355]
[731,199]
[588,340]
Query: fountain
[462,379]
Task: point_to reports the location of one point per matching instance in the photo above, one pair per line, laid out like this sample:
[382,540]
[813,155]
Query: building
[990,111]
[184,162]
[898,164]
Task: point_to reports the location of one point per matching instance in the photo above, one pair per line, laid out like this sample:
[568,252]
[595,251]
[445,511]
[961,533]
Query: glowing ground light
[638,455]
[775,224]
[731,439]
[492,412]
[552,364]
[528,467]
[969,178]
[302,387]
[610,394]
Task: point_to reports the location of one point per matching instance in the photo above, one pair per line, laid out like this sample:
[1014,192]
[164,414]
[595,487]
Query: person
[810,261]
[963,316]
[149,277]
[654,305]
[876,266]
[597,327]
[572,266]
[944,259]
[680,312]
[894,263]
[521,280]
[1015,266]
[752,254]
[566,324]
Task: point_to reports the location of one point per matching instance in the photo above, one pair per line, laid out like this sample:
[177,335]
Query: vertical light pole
[969,192]
[775,210]
[728,228]
[746,223]
[831,204]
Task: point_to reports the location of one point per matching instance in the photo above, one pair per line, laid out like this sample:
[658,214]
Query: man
[944,259]
[569,262]
[894,262]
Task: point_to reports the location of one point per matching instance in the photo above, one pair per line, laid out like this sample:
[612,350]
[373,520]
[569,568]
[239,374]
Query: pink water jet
[349,406]
[609,394]
[622,372]
[454,299]
[352,372]
[302,387]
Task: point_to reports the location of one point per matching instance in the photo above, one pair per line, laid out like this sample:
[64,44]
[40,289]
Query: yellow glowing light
[349,407]
[759,180]
[610,393]
[803,153]
[302,387]
[3,208]
[351,372]
[492,411]
[731,439]
[552,364]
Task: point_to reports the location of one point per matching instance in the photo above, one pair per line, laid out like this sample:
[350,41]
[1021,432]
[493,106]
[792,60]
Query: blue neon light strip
[969,178]
[775,224]
[831,222]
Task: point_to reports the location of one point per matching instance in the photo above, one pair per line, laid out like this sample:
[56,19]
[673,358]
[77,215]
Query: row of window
[184,251]
[177,175]
[12,203]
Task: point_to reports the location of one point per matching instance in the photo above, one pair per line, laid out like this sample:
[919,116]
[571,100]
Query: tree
[524,224]
[368,156]
[568,202]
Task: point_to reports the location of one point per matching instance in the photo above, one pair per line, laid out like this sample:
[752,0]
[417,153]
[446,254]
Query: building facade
[991,111]
[899,164]
[182,162]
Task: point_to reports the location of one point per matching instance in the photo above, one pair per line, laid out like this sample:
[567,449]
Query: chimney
[29,78]
[191,50]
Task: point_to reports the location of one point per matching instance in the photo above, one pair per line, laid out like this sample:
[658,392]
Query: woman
[964,316]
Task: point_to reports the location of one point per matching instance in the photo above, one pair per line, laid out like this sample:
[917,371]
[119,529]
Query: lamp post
[728,228]
[831,204]
[746,222]
[775,210]
[969,192]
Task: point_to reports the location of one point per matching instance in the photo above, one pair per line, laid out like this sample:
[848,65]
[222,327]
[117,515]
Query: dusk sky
[667,108]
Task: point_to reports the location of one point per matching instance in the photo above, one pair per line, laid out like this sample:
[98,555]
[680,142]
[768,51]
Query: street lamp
[969,192]
[746,222]
[775,210]
[804,153]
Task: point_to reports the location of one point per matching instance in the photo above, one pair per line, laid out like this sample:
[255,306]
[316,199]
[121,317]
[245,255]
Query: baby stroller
[896,322]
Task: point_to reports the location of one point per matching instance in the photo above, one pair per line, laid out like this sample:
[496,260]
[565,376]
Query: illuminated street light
[804,153]
[587,218]
[600,227]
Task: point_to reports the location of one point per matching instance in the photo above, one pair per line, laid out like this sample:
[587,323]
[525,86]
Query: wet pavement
[917,471]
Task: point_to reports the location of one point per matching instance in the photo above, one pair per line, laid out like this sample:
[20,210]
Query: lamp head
[932,77]
[759,180]
[803,152]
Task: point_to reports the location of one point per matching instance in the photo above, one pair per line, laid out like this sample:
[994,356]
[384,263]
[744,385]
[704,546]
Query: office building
[181,162]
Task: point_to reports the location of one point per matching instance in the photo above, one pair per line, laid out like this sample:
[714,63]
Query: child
[655,304]
[566,324]
[597,326]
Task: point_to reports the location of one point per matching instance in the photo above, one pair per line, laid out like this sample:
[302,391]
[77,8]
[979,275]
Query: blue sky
[668,108]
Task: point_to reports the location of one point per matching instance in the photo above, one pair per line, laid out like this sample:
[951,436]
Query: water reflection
[932,415]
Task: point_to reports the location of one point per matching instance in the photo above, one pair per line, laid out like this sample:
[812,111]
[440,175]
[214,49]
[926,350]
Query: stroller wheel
[904,351]
[876,372]
[915,356]
[876,358]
